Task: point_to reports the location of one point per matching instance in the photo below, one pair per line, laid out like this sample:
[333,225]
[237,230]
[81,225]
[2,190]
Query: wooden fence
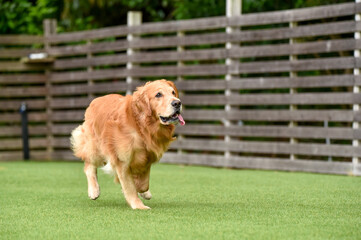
[274,90]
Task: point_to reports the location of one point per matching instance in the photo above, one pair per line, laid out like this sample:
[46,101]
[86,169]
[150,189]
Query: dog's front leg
[93,187]
[128,186]
[142,184]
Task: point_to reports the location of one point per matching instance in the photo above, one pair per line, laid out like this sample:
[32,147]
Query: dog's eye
[158,95]
[173,93]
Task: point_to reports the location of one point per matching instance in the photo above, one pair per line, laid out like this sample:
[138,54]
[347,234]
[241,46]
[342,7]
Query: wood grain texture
[270,131]
[18,155]
[273,99]
[273,115]
[267,147]
[22,78]
[259,163]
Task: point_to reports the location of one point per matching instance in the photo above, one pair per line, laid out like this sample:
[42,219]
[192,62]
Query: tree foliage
[19,16]
[26,16]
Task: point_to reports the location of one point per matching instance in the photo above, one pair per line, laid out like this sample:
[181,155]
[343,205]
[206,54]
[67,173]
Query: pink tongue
[181,120]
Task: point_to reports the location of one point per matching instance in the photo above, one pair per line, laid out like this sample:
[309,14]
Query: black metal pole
[24,130]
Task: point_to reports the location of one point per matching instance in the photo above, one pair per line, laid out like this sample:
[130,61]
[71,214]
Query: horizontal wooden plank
[296,65]
[11,155]
[271,50]
[23,91]
[15,104]
[142,57]
[292,82]
[61,142]
[93,61]
[63,129]
[268,147]
[85,88]
[268,83]
[18,155]
[58,103]
[13,131]
[15,117]
[162,71]
[273,99]
[77,115]
[106,32]
[8,144]
[20,39]
[64,155]
[22,78]
[271,115]
[72,50]
[270,131]
[218,38]
[199,85]
[260,163]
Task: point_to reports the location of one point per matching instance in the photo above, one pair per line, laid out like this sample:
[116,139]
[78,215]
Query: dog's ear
[141,101]
[174,87]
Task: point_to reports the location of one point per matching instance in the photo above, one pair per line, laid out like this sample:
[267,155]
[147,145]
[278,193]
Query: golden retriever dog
[128,134]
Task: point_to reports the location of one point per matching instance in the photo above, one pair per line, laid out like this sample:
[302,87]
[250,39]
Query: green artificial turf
[49,201]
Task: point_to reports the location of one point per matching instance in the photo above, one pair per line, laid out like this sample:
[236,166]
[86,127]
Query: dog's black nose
[176,103]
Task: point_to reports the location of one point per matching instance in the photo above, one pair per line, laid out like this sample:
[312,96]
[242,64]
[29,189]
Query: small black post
[24,130]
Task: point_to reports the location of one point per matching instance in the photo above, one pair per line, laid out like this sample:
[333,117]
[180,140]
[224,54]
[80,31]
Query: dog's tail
[108,169]
[78,142]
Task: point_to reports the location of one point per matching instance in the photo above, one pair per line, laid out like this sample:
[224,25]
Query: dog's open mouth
[175,118]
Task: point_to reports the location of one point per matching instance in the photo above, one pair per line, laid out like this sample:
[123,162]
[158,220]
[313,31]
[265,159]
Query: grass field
[49,201]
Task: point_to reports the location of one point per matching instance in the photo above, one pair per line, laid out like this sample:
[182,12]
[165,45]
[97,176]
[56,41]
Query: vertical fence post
[24,130]
[89,56]
[328,140]
[233,8]
[180,78]
[356,90]
[49,26]
[292,75]
[133,19]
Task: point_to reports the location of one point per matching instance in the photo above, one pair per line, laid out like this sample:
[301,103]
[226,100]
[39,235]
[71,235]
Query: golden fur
[126,133]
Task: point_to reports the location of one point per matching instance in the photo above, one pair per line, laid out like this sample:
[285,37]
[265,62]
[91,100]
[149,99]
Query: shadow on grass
[159,205]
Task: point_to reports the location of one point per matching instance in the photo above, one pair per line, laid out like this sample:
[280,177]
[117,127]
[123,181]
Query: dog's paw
[146,195]
[93,193]
[142,207]
[139,205]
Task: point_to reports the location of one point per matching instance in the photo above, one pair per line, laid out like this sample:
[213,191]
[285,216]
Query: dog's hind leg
[128,186]
[91,175]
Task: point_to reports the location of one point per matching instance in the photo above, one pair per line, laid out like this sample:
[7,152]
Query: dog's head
[160,99]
